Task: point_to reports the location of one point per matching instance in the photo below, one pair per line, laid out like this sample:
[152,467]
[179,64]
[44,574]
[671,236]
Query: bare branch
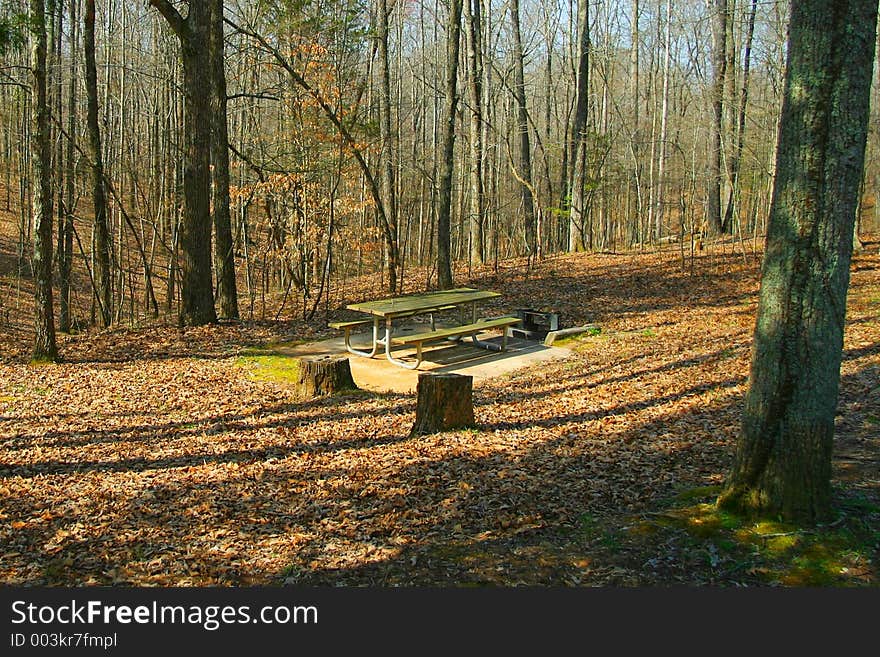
[170,13]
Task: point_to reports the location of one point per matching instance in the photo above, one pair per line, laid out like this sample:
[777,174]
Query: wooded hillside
[592,130]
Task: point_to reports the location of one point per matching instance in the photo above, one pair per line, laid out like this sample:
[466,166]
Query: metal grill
[534,324]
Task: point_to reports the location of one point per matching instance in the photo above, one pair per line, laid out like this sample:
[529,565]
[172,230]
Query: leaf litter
[151,457]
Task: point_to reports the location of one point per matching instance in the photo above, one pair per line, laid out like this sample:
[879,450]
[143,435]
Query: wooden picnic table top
[424,302]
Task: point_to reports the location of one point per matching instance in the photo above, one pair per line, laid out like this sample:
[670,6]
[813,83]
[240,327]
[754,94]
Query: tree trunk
[45,347]
[636,147]
[196,288]
[324,376]
[389,197]
[783,459]
[736,157]
[444,203]
[522,128]
[65,228]
[719,73]
[578,211]
[445,403]
[99,196]
[473,12]
[662,148]
[224,256]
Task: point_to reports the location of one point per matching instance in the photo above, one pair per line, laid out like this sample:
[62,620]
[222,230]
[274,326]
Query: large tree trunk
[197,292]
[227,294]
[783,459]
[196,289]
[444,203]
[99,196]
[45,347]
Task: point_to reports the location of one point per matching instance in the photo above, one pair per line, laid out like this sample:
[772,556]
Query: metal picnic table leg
[491,346]
[359,352]
[391,359]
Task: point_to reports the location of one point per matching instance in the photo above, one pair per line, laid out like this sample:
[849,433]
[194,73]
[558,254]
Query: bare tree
[197,293]
[447,162]
[224,256]
[103,274]
[45,347]
[719,19]
[579,131]
[524,164]
[473,15]
[65,221]
[389,197]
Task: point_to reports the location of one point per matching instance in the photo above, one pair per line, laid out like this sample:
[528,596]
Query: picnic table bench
[424,304]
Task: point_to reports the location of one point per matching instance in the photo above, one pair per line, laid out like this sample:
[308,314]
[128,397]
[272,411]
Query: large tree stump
[324,375]
[445,402]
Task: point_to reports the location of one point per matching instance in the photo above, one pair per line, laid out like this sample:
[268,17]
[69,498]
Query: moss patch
[267,366]
[841,554]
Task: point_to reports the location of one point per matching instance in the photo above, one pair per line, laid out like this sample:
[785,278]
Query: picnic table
[389,310]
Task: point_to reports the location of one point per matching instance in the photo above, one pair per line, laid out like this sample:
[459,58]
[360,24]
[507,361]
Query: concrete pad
[379,375]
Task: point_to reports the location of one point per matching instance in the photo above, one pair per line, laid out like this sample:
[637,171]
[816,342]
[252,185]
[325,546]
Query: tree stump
[324,375]
[445,402]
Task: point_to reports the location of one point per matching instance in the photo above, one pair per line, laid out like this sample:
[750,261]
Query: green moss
[781,545]
[859,504]
[271,367]
[774,551]
[706,522]
[587,524]
[580,341]
[645,529]
[611,540]
[698,493]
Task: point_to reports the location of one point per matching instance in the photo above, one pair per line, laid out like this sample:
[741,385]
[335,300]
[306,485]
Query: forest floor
[156,456]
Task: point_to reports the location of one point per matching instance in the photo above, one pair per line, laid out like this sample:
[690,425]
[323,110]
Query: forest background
[340,119]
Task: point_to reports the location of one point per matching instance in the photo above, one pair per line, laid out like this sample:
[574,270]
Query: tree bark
[65,228]
[522,128]
[103,274]
[389,198]
[196,287]
[783,458]
[45,347]
[719,74]
[224,256]
[474,10]
[324,376]
[444,202]
[444,403]
[578,211]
